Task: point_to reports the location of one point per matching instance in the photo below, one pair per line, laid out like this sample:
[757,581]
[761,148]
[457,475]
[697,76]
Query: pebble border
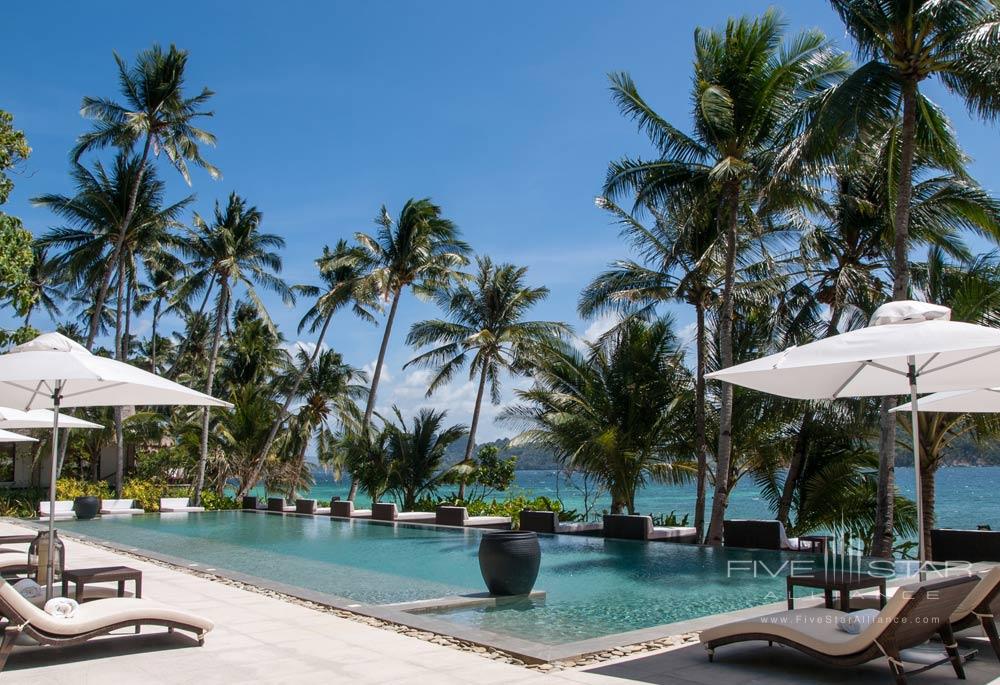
[491,653]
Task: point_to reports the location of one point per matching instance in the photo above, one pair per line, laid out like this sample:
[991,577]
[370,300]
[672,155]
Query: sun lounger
[345,509]
[120,506]
[755,534]
[178,504]
[93,619]
[250,502]
[635,527]
[63,510]
[548,522]
[459,516]
[914,614]
[387,511]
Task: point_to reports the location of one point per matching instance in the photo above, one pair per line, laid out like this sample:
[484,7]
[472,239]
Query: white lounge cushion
[90,592]
[486,520]
[361,513]
[182,509]
[100,614]
[120,506]
[322,510]
[415,516]
[175,502]
[672,532]
[64,509]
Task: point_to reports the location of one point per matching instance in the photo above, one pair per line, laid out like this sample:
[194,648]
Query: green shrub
[213,501]
[21,503]
[71,488]
[512,505]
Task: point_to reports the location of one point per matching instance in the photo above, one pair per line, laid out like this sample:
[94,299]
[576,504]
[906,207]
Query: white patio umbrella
[39,418]
[908,347]
[7,436]
[979,401]
[52,371]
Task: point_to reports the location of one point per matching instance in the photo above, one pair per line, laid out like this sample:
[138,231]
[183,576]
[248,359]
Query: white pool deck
[260,639]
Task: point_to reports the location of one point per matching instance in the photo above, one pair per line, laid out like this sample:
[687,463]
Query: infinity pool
[594,587]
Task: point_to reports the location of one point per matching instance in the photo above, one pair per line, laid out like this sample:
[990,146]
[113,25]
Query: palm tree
[328,389]
[46,282]
[155,114]
[620,411]
[159,294]
[679,260]
[98,242]
[904,43]
[345,283]
[419,250]
[972,290]
[232,252]
[486,320]
[747,86]
[416,454]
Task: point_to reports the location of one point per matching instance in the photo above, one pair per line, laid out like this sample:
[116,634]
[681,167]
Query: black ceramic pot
[508,560]
[86,507]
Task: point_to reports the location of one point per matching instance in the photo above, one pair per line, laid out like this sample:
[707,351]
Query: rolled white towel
[28,588]
[61,607]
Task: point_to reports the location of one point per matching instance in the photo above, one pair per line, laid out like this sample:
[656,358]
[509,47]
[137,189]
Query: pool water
[594,587]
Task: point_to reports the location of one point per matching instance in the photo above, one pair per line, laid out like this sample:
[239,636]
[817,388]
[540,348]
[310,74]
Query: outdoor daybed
[63,510]
[168,504]
[757,534]
[308,506]
[387,511]
[965,545]
[278,505]
[24,622]
[120,506]
[910,618]
[548,522]
[345,509]
[635,527]
[459,516]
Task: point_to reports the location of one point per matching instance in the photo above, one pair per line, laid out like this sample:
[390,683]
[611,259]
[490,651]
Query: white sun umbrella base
[909,347]
[52,371]
[7,436]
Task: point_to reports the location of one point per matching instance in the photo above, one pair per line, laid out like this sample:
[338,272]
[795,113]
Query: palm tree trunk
[152,351]
[927,476]
[701,436]
[471,444]
[885,499]
[802,439]
[283,414]
[119,429]
[370,406]
[102,291]
[221,313]
[721,499]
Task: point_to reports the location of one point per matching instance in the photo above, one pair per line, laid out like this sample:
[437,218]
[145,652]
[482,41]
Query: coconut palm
[46,283]
[345,284]
[156,115]
[679,259]
[417,453]
[158,294]
[328,389]
[621,410]
[485,321]
[419,250]
[231,253]
[748,84]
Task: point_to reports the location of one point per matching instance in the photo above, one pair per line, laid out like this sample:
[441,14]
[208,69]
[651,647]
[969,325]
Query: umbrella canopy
[53,371]
[39,418]
[982,401]
[7,436]
[29,374]
[908,347]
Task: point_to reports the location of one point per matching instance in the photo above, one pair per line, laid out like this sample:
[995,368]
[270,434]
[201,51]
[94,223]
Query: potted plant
[86,507]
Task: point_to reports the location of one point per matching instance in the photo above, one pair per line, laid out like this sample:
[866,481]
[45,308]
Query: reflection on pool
[594,587]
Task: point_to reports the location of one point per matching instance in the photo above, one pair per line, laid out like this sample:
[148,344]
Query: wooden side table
[105,574]
[840,581]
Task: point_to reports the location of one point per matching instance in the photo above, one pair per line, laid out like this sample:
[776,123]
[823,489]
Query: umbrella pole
[915,439]
[49,566]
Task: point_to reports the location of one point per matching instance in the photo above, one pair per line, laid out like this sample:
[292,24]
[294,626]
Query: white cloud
[598,327]
[306,346]
[369,369]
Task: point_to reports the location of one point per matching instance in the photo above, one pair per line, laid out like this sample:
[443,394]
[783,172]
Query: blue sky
[324,111]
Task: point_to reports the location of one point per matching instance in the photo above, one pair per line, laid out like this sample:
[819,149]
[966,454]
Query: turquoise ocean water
[966,497]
